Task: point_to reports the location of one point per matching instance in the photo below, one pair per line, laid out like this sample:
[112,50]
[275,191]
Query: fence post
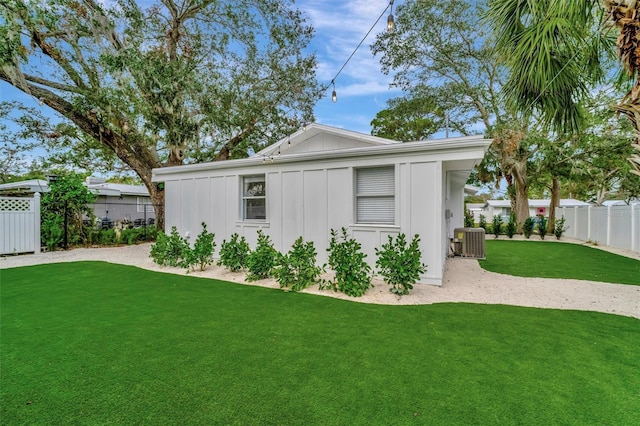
[609,225]
[634,231]
[36,222]
[589,223]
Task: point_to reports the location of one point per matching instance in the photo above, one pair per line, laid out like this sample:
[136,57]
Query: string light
[390,27]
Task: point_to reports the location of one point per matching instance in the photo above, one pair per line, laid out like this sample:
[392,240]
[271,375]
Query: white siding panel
[274,210]
[187,200]
[370,239]
[202,204]
[173,204]
[232,210]
[426,201]
[315,211]
[218,224]
[340,201]
[292,208]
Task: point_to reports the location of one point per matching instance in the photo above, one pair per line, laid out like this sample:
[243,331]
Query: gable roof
[311,138]
[30,186]
[103,188]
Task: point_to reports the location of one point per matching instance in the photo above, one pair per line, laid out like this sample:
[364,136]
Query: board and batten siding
[311,187]
[307,200]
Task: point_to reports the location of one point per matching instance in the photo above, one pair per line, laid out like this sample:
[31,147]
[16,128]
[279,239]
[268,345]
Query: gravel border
[464,281]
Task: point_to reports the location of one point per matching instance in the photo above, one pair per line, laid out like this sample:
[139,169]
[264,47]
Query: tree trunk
[521,185]
[555,203]
[522,205]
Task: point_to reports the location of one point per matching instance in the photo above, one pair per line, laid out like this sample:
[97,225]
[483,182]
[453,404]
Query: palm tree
[556,50]
[625,15]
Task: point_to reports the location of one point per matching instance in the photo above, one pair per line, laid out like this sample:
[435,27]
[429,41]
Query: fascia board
[436,147]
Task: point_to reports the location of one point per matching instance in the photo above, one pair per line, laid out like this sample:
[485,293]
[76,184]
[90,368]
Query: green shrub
[52,231]
[483,223]
[297,269]
[233,254]
[159,249]
[559,228]
[527,227]
[261,261]
[468,219]
[352,273]
[169,250]
[400,265]
[201,254]
[542,227]
[138,235]
[107,237]
[497,225]
[512,226]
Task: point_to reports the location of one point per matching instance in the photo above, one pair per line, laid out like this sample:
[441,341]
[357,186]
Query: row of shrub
[497,227]
[398,261]
[53,234]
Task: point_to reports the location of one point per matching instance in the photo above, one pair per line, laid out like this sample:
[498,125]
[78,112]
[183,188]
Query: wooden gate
[19,225]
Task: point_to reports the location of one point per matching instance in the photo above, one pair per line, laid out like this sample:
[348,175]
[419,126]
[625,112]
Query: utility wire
[333,80]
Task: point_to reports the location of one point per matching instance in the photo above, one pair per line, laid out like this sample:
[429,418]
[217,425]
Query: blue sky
[362,88]
[340,25]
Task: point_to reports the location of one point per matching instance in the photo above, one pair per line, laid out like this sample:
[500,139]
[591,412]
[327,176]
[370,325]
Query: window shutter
[376,180]
[375,200]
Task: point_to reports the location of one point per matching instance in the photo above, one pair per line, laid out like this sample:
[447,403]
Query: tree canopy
[167,83]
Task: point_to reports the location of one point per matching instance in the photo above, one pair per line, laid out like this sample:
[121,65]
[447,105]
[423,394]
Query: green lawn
[95,343]
[559,260]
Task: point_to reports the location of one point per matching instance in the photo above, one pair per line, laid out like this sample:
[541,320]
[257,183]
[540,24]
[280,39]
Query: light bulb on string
[390,22]
[334,95]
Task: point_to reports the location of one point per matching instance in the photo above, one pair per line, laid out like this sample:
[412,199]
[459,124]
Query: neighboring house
[503,208]
[620,203]
[119,202]
[322,178]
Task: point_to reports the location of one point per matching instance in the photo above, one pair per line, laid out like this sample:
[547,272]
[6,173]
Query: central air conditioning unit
[469,242]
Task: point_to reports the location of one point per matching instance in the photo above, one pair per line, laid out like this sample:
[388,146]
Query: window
[254,200]
[375,199]
[144,203]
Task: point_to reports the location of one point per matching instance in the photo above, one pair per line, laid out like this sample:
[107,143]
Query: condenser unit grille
[470,242]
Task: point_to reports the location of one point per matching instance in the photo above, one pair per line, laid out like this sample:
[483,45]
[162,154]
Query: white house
[120,202]
[322,178]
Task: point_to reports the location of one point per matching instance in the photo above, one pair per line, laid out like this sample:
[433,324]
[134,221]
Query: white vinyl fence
[19,225]
[615,226]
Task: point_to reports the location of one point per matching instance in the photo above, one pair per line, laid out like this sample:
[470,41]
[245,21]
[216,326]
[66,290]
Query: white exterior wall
[310,199]
[311,191]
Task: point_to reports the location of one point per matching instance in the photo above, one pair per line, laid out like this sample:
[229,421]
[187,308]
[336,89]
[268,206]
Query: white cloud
[340,27]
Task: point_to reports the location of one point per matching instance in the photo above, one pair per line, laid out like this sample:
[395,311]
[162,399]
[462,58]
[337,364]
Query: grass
[559,260]
[96,343]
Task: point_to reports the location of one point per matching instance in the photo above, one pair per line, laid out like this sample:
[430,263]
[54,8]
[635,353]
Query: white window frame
[245,197]
[144,203]
[375,196]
